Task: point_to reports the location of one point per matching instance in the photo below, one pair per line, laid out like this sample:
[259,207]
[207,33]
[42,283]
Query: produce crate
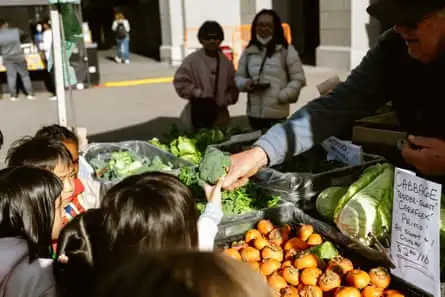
[288,214]
[103,152]
[301,178]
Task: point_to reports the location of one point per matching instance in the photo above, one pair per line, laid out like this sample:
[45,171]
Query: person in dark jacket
[406,66]
[14,60]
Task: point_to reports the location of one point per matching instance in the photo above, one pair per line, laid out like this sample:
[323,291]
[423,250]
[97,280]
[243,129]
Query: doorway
[303,16]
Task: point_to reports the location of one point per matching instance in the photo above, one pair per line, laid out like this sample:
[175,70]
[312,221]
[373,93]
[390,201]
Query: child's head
[30,207]
[76,247]
[211,35]
[66,136]
[45,153]
[185,274]
[150,211]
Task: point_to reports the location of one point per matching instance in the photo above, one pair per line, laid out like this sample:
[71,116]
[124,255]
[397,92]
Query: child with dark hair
[143,213]
[206,80]
[185,274]
[31,217]
[86,191]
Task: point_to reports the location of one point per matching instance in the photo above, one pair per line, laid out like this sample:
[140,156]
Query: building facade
[328,33]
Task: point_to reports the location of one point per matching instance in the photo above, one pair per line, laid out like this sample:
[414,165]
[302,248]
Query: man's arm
[329,115]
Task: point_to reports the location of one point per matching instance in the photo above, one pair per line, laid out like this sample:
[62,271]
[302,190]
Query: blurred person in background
[121,26]
[47,48]
[14,60]
[206,80]
[270,71]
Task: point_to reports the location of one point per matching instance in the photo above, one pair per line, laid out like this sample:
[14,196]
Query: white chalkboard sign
[415,241]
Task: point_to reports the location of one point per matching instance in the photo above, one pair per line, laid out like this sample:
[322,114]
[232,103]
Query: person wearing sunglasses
[206,79]
[406,66]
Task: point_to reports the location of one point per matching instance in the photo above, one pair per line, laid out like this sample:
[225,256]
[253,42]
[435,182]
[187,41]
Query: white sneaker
[13,99]
[53,98]
[117,60]
[31,97]
[127,61]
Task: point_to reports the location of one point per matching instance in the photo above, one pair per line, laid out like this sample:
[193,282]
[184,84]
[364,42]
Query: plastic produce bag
[302,177]
[103,151]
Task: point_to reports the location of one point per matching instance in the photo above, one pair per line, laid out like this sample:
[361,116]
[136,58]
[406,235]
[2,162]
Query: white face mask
[264,41]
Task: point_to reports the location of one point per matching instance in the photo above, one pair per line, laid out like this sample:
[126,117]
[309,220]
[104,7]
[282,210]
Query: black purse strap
[263,62]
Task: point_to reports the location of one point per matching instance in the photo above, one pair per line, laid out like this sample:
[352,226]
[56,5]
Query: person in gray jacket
[270,71]
[406,66]
[14,60]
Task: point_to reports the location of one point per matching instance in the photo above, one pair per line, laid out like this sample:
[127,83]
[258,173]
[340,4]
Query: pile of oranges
[286,260]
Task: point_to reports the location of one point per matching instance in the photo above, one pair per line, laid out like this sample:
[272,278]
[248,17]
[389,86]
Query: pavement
[139,103]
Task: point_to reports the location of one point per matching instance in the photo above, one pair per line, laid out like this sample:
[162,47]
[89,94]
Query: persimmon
[286,263]
[265,227]
[269,267]
[310,291]
[250,254]
[372,292]
[295,243]
[272,252]
[329,281]
[347,292]
[285,232]
[252,234]
[276,282]
[289,292]
[340,265]
[275,237]
[233,253]
[291,275]
[305,232]
[393,293]
[306,261]
[380,277]
[290,254]
[357,278]
[310,276]
[260,243]
[314,239]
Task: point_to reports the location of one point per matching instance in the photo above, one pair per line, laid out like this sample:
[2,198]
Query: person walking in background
[121,27]
[47,48]
[270,71]
[14,60]
[206,79]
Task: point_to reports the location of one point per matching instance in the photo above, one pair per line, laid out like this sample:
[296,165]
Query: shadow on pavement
[155,128]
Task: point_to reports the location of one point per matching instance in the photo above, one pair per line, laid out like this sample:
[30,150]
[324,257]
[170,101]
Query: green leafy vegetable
[125,163]
[370,209]
[327,201]
[325,251]
[213,166]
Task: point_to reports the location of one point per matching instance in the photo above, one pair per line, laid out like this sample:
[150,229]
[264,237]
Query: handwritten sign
[343,151]
[415,231]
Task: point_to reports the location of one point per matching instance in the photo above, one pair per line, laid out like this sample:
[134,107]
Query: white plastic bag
[186,117]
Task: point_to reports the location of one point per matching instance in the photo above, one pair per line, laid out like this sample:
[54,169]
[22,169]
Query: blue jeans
[123,48]
[12,70]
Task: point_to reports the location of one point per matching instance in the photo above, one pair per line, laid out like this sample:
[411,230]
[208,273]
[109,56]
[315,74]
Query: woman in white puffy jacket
[270,71]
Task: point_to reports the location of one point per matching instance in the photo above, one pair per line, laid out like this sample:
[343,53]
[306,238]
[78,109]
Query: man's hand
[429,158]
[244,165]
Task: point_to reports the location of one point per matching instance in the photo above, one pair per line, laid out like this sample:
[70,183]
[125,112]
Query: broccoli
[213,166]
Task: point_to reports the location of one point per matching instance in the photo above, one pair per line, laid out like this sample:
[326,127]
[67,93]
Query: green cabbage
[327,201]
[369,210]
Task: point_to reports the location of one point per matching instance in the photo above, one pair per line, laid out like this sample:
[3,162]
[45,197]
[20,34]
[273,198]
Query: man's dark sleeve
[361,94]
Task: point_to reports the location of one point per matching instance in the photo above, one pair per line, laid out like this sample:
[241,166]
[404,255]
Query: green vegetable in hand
[213,166]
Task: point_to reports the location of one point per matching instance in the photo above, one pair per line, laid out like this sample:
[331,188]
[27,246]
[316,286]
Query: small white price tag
[415,235]
[343,151]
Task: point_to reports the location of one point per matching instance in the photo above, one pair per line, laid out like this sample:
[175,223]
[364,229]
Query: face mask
[264,41]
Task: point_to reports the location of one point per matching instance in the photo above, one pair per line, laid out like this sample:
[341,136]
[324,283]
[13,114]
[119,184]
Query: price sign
[415,238]
[343,151]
